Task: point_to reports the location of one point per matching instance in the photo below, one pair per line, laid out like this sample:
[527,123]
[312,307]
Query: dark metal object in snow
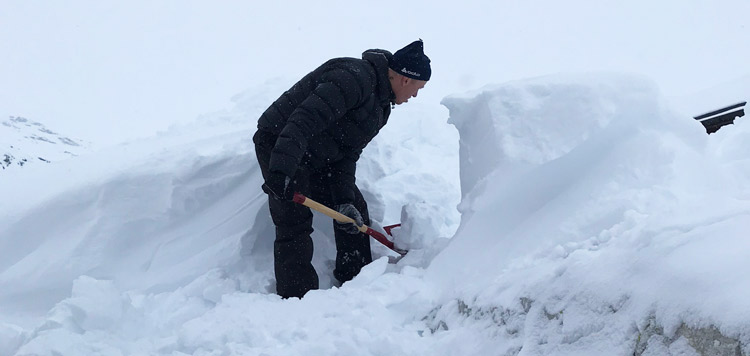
[714,120]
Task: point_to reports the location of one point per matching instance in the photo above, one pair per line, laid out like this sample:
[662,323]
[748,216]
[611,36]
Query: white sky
[106,71]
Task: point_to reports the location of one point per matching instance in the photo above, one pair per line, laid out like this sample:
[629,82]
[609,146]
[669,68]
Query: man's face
[407,88]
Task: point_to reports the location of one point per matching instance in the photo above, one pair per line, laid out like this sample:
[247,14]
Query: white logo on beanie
[410,72]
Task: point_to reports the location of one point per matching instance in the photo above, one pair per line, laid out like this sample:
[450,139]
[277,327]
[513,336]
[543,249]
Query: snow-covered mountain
[23,142]
[594,221]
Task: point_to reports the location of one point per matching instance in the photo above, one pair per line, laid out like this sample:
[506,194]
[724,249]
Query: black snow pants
[293,247]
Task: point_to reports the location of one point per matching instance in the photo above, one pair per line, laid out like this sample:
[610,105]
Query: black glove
[352,212]
[279,186]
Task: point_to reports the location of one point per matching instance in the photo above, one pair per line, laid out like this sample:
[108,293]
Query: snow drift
[596,214]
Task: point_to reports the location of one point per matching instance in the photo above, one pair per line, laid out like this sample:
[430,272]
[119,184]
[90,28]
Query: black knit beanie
[411,62]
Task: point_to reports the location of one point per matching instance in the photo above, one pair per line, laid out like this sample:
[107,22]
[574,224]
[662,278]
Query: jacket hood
[379,58]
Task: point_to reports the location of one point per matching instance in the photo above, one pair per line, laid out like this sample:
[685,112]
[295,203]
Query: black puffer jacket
[327,118]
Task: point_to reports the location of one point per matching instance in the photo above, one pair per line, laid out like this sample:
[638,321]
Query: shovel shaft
[312,204]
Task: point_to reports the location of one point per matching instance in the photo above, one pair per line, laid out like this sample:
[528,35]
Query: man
[309,141]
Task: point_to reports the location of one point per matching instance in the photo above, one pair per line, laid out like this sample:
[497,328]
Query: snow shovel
[312,204]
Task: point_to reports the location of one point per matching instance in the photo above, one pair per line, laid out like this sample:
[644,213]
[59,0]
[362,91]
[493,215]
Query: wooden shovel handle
[312,204]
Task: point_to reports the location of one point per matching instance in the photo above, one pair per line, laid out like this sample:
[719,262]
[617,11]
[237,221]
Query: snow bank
[155,224]
[531,151]
[589,213]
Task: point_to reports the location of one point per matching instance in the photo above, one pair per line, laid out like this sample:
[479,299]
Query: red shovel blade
[383,240]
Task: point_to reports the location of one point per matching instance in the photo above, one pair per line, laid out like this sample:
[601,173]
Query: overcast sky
[109,71]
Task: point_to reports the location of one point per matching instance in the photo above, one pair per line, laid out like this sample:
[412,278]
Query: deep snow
[590,212]
[602,211]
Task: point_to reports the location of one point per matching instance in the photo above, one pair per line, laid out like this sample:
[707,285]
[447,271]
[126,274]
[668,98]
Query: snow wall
[591,214]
